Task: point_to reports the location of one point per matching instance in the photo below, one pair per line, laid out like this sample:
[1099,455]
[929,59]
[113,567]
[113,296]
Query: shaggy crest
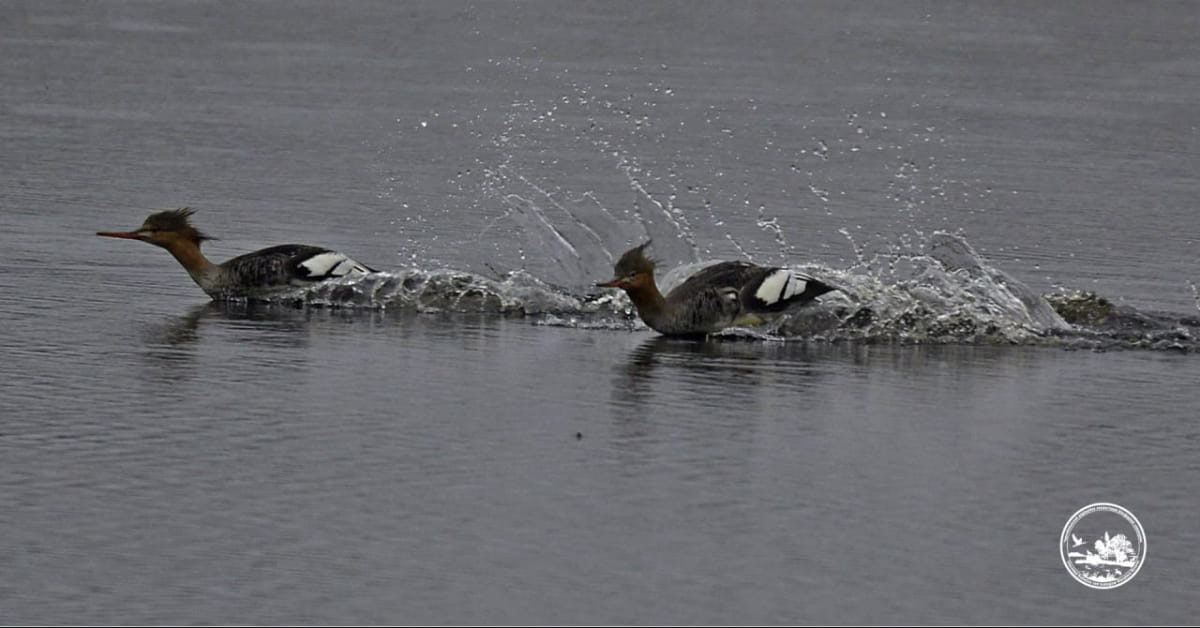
[175,220]
[634,261]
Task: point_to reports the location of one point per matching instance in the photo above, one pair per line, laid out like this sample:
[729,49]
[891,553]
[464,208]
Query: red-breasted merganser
[253,275]
[716,297]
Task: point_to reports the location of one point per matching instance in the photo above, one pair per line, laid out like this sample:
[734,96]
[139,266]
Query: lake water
[476,435]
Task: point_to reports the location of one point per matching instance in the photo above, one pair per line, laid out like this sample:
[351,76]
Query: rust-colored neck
[645,296]
[189,255]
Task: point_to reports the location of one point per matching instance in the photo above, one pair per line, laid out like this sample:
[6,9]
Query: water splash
[636,175]
[435,291]
[944,294]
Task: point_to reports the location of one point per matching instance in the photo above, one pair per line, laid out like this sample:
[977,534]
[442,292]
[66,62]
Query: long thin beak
[614,283]
[128,235]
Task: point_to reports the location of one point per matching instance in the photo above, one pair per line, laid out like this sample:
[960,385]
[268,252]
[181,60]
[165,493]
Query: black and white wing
[776,289]
[327,265]
[289,265]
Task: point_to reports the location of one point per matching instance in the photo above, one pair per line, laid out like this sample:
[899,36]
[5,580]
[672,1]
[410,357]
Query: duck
[256,275]
[725,294]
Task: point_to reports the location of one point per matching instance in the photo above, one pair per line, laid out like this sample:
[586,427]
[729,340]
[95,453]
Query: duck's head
[634,270]
[166,229]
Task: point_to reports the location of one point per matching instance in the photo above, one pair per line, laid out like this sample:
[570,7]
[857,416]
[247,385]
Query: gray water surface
[168,460]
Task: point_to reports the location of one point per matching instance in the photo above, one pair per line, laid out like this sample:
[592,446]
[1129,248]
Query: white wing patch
[780,285]
[331,264]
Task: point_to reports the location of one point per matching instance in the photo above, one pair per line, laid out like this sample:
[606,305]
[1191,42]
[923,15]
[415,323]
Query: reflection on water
[726,370]
[273,452]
